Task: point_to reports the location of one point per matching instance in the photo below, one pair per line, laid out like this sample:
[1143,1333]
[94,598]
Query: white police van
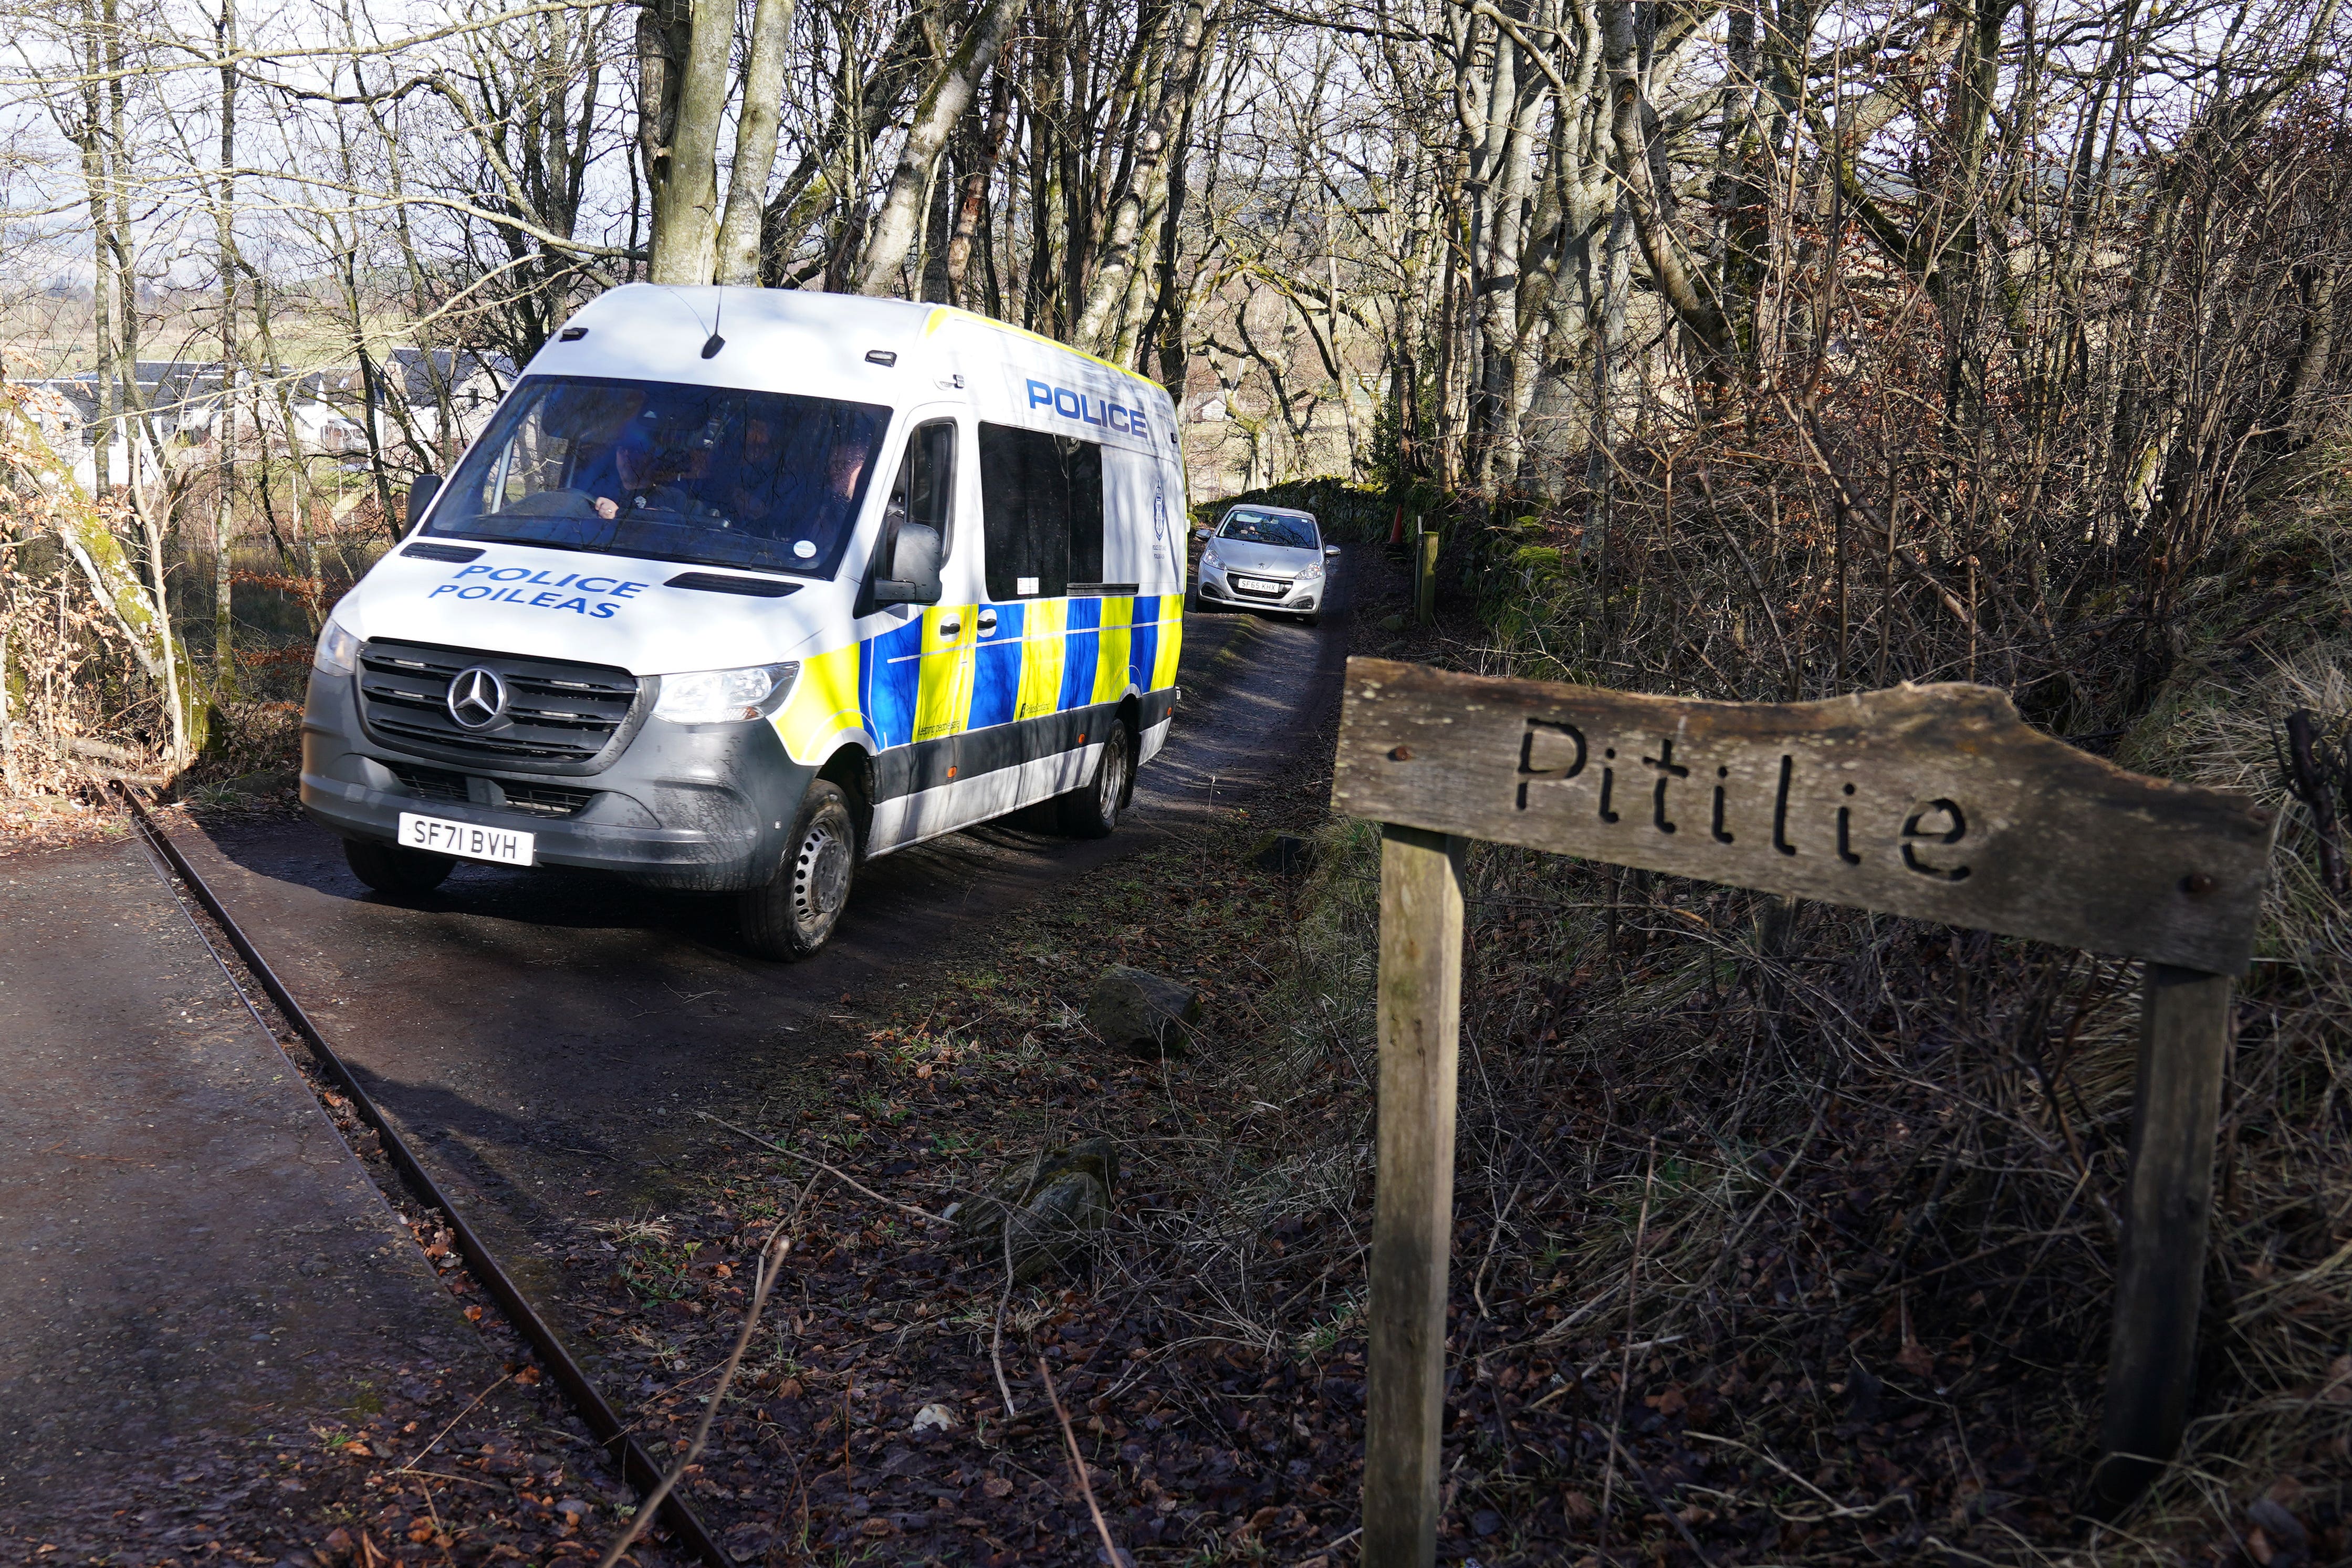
[739,587]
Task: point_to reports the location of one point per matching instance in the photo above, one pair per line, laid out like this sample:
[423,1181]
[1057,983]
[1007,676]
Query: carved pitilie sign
[1933,800]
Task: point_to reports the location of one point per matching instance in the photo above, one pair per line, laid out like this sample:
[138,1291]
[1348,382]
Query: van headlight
[716,696]
[337,652]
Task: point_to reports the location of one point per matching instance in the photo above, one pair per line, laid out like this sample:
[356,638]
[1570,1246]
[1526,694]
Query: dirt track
[543,1036]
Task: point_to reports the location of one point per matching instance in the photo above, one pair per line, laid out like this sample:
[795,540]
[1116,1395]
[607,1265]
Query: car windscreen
[713,476]
[1268,528]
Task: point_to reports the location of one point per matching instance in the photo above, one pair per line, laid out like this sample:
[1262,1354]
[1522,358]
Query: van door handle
[988,620]
[950,628]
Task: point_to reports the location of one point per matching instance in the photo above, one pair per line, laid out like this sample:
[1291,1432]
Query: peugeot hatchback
[1266,558]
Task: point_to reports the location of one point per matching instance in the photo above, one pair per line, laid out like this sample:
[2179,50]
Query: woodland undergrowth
[1783,1234]
[1848,1185]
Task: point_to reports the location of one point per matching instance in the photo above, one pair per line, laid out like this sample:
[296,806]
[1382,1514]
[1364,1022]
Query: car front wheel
[794,914]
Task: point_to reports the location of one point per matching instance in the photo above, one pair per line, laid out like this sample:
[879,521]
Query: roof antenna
[712,344]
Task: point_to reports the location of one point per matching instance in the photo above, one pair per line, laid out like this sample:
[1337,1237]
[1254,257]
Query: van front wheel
[391,869]
[794,913]
[1092,812]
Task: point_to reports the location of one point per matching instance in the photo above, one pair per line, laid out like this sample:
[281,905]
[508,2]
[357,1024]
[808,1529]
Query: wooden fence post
[1425,578]
[2167,1211]
[1420,1024]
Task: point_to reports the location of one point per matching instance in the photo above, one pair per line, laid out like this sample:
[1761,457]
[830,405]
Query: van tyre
[390,868]
[1093,812]
[793,915]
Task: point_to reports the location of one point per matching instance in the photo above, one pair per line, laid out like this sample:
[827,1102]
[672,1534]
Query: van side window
[1042,511]
[925,490]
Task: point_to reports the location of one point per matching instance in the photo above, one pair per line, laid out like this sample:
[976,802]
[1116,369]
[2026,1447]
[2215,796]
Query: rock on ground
[1139,1011]
[1042,1210]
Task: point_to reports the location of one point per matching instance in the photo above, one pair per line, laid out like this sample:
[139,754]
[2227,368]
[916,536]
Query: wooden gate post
[1420,1026]
[2184,1037]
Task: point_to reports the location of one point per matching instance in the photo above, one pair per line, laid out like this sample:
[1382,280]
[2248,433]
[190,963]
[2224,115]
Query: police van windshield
[710,474]
[1268,528]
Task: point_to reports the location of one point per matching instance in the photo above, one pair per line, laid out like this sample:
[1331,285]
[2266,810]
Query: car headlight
[337,652]
[1209,562]
[716,696]
[1312,574]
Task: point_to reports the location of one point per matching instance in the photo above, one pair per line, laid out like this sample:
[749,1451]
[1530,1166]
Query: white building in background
[413,389]
[416,390]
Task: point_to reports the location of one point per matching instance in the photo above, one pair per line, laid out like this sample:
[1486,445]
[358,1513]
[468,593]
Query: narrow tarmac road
[197,1270]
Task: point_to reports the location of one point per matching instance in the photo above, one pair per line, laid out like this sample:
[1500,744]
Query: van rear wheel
[793,915]
[390,868]
[1092,812]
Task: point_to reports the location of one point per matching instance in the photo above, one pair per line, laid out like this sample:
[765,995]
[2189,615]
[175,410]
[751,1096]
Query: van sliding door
[1046,666]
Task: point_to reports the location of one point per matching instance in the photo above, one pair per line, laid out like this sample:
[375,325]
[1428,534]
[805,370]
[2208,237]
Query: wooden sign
[1931,801]
[1934,801]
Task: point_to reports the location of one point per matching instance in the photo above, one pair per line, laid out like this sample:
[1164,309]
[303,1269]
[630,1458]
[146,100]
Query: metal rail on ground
[638,1467]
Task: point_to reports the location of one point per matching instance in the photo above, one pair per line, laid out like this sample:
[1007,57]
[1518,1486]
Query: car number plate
[1259,586]
[466,840]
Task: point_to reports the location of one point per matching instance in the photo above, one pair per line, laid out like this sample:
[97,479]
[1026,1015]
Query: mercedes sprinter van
[740,587]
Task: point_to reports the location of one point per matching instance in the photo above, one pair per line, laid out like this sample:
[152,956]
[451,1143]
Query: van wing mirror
[420,495]
[914,576]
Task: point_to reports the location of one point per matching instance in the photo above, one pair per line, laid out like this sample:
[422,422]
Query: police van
[741,587]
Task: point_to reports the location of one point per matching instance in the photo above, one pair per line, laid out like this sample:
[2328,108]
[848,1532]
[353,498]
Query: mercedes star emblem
[477,698]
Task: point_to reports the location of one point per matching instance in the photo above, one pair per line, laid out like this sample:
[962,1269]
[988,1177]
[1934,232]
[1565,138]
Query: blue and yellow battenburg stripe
[918,682]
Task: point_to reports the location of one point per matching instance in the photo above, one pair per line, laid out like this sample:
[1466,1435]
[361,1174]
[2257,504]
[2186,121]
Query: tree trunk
[755,144]
[1147,185]
[114,576]
[224,414]
[1628,129]
[685,188]
[976,183]
[942,104]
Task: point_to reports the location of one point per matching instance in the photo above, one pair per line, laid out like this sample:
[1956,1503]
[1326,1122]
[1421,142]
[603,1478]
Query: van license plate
[466,840]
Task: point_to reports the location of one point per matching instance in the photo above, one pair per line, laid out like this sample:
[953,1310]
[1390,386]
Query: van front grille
[545,800]
[559,715]
[433,783]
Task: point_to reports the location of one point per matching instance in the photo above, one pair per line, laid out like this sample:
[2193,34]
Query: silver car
[1266,558]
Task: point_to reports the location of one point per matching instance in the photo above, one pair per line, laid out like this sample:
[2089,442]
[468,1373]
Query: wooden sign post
[1934,801]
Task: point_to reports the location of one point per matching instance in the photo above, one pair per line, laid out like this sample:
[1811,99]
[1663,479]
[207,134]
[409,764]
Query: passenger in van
[746,494]
[799,488]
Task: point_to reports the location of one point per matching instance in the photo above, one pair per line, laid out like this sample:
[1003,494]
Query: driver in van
[593,420]
[655,465]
